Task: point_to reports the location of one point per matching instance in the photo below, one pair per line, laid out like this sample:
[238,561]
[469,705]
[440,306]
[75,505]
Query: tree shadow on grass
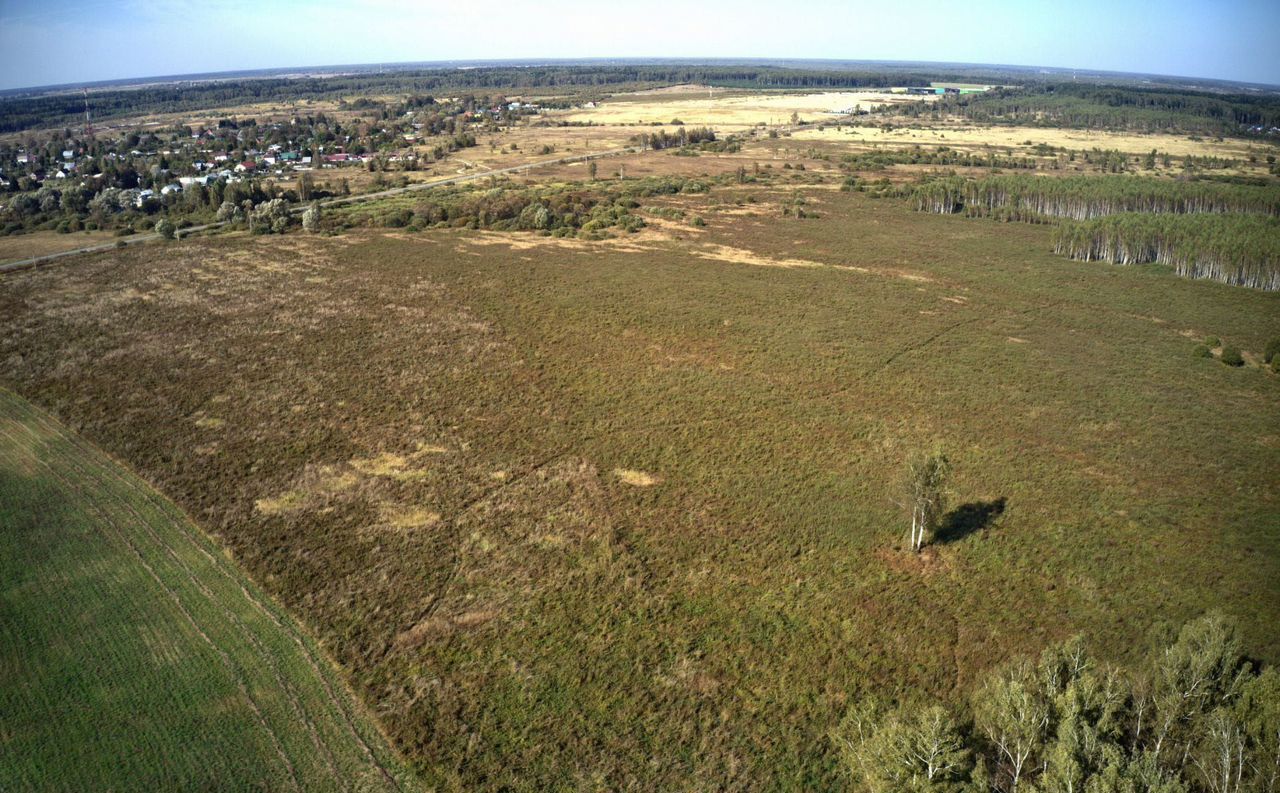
[967,519]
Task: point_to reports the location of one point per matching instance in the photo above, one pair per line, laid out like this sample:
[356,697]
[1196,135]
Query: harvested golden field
[730,110]
[1016,138]
[619,514]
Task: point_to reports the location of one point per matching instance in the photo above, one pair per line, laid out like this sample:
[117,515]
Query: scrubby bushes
[570,210]
[1272,350]
[311,219]
[1194,714]
[270,217]
[1231,356]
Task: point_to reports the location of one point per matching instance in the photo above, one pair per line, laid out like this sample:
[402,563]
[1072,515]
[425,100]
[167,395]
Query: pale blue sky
[46,42]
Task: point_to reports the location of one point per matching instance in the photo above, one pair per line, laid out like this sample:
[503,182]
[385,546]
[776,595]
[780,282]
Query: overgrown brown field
[618,515]
[45,242]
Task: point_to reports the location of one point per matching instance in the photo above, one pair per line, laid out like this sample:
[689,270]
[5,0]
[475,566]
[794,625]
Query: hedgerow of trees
[560,211]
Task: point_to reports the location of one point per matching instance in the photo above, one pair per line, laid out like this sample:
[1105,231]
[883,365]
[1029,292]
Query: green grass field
[134,656]
[618,515]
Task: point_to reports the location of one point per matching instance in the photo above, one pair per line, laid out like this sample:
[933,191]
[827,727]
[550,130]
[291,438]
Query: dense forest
[1113,107]
[19,113]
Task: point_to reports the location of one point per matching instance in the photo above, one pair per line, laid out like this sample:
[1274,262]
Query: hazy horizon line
[332,69]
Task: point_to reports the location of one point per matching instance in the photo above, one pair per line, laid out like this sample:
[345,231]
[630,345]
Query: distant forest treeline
[29,112]
[1114,107]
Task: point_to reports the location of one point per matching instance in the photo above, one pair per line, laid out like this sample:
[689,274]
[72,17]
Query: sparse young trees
[903,749]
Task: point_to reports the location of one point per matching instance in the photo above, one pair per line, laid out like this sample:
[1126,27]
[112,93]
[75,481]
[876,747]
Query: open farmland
[968,135]
[134,656]
[730,110]
[618,514]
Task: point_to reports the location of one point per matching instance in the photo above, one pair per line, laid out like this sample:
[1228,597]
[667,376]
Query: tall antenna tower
[88,121]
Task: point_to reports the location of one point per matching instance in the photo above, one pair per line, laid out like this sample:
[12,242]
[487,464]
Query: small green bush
[1213,341]
[1275,364]
[697,221]
[1201,351]
[1272,351]
[1231,356]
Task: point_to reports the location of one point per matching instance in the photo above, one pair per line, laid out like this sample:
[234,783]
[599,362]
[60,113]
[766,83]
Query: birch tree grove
[1243,250]
[1195,717]
[1222,232]
[925,495]
[1034,198]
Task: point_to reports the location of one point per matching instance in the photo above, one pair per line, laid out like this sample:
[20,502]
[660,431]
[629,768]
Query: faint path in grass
[860,378]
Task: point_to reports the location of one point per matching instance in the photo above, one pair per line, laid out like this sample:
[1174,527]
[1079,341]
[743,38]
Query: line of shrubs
[563,211]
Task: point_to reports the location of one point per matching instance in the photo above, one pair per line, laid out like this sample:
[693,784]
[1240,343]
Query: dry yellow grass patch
[315,485]
[285,502]
[725,253]
[385,464]
[640,241]
[402,517]
[636,478]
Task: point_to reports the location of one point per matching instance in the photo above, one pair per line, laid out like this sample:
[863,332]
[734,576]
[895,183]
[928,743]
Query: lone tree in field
[925,493]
